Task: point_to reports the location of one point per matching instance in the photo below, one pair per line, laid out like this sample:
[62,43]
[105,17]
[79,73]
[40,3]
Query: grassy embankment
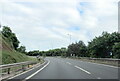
[9,55]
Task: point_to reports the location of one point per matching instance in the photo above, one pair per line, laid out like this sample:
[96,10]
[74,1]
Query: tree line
[52,52]
[107,45]
[104,46]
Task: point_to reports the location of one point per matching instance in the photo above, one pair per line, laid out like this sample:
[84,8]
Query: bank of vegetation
[10,51]
[107,45]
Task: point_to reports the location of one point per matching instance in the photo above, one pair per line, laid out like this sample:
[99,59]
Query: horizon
[45,25]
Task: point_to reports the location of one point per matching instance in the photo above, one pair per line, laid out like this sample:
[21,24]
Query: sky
[49,24]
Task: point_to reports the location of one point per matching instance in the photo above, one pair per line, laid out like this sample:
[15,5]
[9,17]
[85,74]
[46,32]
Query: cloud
[44,24]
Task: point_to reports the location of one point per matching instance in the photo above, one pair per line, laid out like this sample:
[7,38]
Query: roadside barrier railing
[7,70]
[110,61]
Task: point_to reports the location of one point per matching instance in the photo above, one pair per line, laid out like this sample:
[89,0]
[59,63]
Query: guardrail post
[23,67]
[8,70]
[28,66]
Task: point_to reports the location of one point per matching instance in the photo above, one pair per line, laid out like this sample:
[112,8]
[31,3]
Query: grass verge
[9,57]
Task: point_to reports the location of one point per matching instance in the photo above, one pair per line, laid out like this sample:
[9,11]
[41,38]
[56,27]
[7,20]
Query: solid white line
[38,71]
[103,64]
[82,69]
[68,63]
[24,72]
[98,78]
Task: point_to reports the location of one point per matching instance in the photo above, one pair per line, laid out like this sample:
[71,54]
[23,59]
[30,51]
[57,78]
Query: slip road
[64,68]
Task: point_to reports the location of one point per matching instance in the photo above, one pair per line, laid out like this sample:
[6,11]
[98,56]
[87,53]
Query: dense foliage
[21,49]
[7,32]
[53,52]
[104,46]
[12,38]
[116,50]
[77,49]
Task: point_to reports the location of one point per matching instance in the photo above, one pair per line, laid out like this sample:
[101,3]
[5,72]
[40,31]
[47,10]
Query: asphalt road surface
[64,68]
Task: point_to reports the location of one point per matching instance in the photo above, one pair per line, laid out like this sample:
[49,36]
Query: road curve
[64,68]
[61,68]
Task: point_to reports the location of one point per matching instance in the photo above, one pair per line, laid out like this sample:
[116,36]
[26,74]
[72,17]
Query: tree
[15,41]
[63,52]
[22,49]
[33,53]
[116,50]
[70,49]
[7,32]
[77,49]
[82,49]
[101,47]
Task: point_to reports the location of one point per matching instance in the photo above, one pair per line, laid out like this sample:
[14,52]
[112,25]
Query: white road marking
[68,63]
[37,71]
[24,72]
[102,64]
[82,69]
[98,78]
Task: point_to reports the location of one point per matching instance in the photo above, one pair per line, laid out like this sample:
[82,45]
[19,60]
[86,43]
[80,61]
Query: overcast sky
[45,24]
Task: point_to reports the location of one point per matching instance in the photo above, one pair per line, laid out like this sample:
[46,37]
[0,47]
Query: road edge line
[25,71]
[105,65]
[37,71]
[98,63]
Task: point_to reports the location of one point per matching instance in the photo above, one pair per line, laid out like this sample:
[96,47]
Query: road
[64,68]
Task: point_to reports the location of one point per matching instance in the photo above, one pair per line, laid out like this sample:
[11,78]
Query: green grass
[32,58]
[9,55]
[14,57]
